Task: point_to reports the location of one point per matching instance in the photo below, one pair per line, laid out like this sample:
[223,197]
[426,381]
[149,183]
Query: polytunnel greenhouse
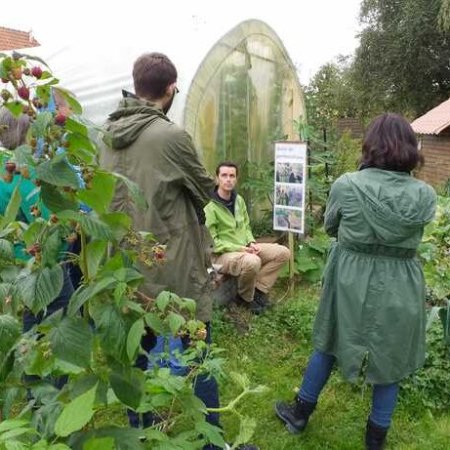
[238,93]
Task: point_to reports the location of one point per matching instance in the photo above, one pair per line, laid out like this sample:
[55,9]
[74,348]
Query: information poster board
[290,183]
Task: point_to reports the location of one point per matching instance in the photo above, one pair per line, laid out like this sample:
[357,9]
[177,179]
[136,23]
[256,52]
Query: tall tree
[403,61]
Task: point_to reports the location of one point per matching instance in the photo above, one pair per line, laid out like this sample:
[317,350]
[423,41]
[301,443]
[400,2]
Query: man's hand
[253,247]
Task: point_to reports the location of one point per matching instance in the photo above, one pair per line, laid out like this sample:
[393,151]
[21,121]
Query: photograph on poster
[289,219]
[288,195]
[288,172]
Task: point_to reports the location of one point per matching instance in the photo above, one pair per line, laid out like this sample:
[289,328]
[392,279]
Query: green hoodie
[229,232]
[373,296]
[144,146]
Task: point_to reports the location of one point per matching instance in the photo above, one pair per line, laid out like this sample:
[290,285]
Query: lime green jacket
[229,232]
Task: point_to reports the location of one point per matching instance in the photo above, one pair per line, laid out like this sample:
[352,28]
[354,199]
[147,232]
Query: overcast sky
[313,31]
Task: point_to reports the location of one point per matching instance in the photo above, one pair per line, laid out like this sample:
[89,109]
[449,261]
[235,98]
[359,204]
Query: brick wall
[436,150]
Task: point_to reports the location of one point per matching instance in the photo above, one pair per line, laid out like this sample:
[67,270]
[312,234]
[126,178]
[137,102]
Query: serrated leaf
[42,122]
[76,414]
[6,249]
[12,209]
[40,288]
[175,322]
[56,200]
[155,323]
[163,300]
[95,252]
[58,172]
[70,99]
[71,340]
[15,107]
[85,293]
[128,385]
[246,430]
[101,193]
[134,190]
[134,339]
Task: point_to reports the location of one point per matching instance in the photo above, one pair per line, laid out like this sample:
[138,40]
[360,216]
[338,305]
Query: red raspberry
[60,119]
[36,71]
[24,92]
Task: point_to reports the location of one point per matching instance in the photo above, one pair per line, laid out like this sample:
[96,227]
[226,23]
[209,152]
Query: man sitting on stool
[235,249]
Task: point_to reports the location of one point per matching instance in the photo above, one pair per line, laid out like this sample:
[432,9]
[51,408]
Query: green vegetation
[274,352]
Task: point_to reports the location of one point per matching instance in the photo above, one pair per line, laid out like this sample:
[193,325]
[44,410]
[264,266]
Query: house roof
[14,39]
[434,121]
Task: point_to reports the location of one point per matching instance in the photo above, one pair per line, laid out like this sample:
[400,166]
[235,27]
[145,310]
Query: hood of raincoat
[128,121]
[394,203]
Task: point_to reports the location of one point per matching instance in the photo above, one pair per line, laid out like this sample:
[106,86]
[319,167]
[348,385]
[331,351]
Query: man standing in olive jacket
[235,249]
[146,147]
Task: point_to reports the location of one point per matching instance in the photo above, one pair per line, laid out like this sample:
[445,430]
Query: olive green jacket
[373,297]
[160,157]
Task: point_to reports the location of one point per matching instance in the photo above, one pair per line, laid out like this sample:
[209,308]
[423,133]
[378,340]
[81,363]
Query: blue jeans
[205,387]
[384,396]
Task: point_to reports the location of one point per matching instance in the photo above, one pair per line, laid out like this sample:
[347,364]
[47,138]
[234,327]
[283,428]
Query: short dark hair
[15,128]
[227,164]
[152,73]
[390,144]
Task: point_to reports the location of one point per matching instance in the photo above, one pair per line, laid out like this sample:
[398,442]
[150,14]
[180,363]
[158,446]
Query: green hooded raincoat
[373,295]
[160,157]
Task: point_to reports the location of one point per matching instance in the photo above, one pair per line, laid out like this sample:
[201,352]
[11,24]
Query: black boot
[261,299]
[375,436]
[295,415]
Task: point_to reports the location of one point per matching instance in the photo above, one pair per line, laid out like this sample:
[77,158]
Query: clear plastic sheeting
[235,101]
[244,96]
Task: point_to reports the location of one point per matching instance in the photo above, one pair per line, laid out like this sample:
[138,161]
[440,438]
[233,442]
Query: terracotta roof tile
[434,121]
[14,39]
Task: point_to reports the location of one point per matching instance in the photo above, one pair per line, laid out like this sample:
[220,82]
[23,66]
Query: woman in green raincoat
[372,306]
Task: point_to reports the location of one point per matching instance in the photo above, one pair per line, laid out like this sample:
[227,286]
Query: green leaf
[33,232]
[112,329]
[95,227]
[175,322]
[23,155]
[134,190]
[56,200]
[104,443]
[42,122]
[40,288]
[155,323]
[128,385]
[12,424]
[10,331]
[51,250]
[246,431]
[85,293]
[58,172]
[76,414]
[119,223]
[71,340]
[163,300]
[212,433]
[70,99]
[95,252]
[15,107]
[6,249]
[12,209]
[74,125]
[134,339]
[100,196]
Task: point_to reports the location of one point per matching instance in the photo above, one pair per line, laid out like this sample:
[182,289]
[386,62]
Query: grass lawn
[274,350]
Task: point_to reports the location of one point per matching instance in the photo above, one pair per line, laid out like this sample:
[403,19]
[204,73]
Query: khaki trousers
[252,270]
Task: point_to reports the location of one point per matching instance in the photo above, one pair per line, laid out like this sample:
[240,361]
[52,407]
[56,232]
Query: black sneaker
[253,307]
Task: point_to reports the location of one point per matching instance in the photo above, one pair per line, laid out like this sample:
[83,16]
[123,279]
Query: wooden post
[291,261]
